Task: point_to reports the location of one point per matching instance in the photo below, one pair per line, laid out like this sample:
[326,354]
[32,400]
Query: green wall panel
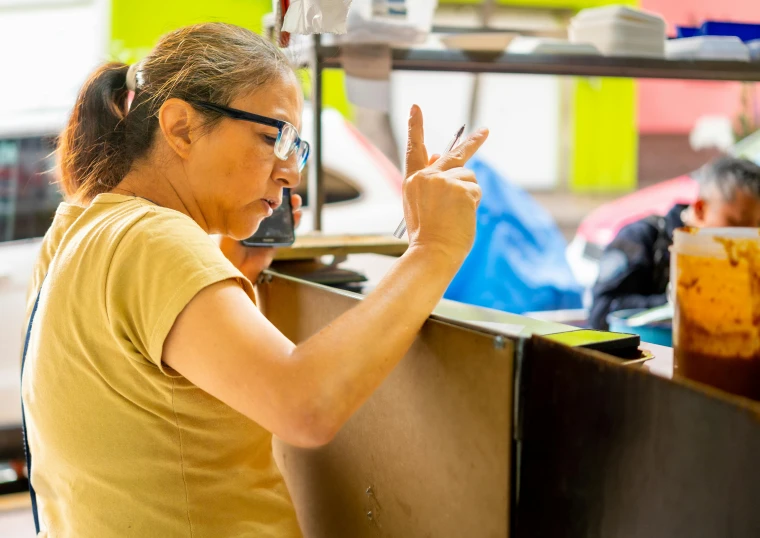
[605,153]
[136,26]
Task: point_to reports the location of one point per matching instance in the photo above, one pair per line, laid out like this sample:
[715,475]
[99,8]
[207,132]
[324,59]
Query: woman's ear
[698,210]
[177,119]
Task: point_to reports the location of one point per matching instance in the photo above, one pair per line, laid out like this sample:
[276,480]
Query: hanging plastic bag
[517,263]
[316,17]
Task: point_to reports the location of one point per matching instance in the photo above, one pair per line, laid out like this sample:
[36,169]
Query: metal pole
[489,6]
[487,10]
[316,179]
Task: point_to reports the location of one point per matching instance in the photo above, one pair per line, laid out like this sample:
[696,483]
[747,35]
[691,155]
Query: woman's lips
[271,204]
[267,207]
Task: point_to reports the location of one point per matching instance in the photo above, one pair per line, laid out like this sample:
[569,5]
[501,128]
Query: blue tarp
[517,263]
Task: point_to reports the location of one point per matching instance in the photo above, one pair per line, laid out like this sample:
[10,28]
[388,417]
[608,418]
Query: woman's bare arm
[303,394]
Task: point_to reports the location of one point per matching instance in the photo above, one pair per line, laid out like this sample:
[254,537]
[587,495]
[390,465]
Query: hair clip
[132,77]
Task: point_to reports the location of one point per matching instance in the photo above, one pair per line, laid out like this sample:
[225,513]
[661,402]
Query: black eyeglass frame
[237,114]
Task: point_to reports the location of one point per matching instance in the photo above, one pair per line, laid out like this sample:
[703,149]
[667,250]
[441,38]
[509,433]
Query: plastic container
[715,280]
[655,333]
[726,48]
[744,31]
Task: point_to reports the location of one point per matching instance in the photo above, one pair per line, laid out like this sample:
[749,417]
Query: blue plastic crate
[744,31]
[687,31]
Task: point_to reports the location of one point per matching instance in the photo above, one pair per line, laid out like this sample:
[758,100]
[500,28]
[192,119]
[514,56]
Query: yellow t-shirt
[122,445]
[65,216]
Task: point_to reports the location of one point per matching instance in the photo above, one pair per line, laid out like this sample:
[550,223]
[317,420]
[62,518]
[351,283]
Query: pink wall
[667,106]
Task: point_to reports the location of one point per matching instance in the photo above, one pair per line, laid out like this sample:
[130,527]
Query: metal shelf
[568,65]
[503,62]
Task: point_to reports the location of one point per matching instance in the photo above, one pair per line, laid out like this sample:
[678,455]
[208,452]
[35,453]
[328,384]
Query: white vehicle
[363,191]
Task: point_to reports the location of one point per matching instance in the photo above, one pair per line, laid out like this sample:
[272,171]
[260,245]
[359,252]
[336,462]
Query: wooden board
[314,246]
[15,501]
[607,451]
[429,454]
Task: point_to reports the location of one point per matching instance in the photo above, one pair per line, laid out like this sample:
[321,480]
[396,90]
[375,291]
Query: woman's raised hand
[440,196]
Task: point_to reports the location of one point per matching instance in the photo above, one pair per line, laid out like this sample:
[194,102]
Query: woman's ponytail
[104,138]
[91,158]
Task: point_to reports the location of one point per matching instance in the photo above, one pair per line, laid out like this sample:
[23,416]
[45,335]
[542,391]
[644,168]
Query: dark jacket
[635,268]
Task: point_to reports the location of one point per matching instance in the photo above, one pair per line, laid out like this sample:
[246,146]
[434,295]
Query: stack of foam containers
[620,31]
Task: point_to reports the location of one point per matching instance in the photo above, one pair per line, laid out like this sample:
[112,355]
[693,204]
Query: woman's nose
[286,172]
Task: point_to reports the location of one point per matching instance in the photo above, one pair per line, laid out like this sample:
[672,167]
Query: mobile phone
[617,344]
[278,230]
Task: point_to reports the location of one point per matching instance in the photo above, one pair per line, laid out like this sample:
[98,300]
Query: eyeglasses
[287,141]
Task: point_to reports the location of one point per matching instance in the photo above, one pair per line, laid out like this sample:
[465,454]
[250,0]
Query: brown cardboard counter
[482,434]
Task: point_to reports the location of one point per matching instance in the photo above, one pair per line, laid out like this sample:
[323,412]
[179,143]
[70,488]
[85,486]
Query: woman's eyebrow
[281,115]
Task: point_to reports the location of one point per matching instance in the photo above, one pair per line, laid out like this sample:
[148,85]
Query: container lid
[711,242]
[549,45]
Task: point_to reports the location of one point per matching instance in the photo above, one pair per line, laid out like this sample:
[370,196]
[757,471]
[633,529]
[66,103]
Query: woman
[152,384]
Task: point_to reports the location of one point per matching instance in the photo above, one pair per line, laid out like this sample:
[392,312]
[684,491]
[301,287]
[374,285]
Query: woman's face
[234,174]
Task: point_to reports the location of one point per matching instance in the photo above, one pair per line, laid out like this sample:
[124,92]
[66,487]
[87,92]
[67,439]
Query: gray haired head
[729,174]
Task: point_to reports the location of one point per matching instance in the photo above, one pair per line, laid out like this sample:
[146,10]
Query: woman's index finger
[463,152]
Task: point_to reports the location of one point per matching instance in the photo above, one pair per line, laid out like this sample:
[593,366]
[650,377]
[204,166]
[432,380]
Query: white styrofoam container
[728,48]
[619,39]
[754,50]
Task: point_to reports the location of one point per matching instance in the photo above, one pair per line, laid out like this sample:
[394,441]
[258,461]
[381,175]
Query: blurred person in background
[152,384]
[634,271]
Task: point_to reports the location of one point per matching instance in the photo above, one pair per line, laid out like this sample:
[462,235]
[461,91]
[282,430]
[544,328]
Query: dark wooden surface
[315,245]
[428,455]
[617,452]
[11,443]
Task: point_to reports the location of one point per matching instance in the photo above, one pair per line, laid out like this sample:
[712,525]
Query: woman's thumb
[416,154]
